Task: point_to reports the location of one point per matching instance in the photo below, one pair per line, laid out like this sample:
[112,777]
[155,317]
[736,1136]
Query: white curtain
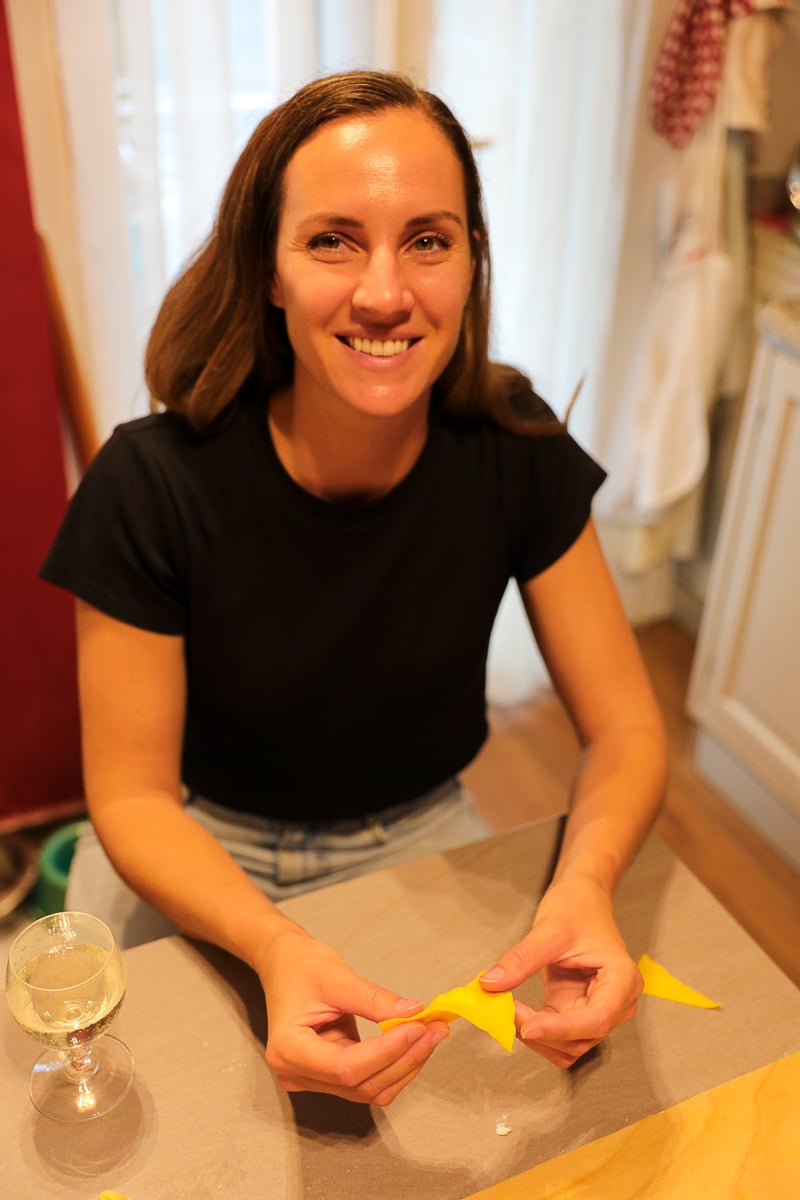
[161,94]
[547,90]
[544,89]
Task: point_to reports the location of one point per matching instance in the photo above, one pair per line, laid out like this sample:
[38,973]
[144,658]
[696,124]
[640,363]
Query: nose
[382,292]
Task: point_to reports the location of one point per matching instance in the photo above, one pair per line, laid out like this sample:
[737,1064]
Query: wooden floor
[525,768]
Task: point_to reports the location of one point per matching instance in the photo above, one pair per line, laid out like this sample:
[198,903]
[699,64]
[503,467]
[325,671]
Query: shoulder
[165,443]
[154,437]
[535,490]
[534,457]
[164,432]
[157,472]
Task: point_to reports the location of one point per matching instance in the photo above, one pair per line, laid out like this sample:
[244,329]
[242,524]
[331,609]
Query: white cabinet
[745,686]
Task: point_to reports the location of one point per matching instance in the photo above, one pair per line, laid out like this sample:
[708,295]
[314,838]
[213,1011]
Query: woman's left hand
[590,981]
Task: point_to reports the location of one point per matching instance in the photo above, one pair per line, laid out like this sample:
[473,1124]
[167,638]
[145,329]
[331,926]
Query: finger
[526,1018]
[383,1087]
[386,1095]
[362,1094]
[381,1004]
[561,1054]
[587,1022]
[378,1087]
[607,994]
[533,952]
[371,1001]
[393,1078]
[311,1056]
[309,1053]
[616,981]
[564,1054]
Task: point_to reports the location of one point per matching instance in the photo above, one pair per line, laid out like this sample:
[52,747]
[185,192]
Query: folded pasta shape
[493,1012]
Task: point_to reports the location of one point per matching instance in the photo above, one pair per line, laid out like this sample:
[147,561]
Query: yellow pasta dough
[659,982]
[493,1012]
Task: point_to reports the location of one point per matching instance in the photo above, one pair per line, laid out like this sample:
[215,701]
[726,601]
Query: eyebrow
[338,219]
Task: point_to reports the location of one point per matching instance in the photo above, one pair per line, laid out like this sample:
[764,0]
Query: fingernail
[406,1007]
[492,976]
[439,1036]
[414,1033]
[528,1032]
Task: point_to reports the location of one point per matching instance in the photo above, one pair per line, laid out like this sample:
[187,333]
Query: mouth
[378,348]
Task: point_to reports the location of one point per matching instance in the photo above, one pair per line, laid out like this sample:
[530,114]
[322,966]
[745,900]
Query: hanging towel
[685,330]
[751,44]
[683,342]
[688,68]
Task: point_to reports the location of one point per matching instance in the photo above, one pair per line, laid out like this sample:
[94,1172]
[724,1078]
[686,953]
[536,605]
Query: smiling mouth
[377,348]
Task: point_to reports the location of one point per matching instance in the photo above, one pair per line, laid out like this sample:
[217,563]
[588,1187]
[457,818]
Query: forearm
[186,874]
[616,796]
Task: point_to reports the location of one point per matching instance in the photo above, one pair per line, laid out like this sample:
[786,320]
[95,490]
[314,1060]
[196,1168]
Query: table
[206,1119]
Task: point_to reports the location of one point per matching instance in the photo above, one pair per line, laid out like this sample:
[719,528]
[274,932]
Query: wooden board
[739,1139]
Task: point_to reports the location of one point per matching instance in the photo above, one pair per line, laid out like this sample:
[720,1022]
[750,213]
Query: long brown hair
[217,330]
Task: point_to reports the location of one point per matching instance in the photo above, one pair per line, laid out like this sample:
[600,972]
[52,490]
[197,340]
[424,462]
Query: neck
[347,457]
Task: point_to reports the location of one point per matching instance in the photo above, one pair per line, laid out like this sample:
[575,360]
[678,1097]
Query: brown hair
[217,330]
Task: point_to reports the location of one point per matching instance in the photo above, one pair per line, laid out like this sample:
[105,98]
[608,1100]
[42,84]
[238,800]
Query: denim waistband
[385,817]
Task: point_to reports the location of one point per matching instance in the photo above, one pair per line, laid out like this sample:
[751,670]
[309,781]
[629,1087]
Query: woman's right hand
[313,1044]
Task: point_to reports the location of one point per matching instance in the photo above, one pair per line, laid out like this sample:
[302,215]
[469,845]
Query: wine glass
[793,191]
[65,984]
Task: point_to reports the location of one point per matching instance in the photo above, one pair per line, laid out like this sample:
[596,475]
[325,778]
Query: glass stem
[80,1071]
[82,1064]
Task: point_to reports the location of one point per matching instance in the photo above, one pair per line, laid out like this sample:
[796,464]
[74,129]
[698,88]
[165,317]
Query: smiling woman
[399,150]
[548,92]
[373,290]
[289,578]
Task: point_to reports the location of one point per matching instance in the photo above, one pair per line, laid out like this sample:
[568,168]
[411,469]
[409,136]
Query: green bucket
[55,860]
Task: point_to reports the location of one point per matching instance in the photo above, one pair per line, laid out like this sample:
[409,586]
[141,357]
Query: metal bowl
[18,871]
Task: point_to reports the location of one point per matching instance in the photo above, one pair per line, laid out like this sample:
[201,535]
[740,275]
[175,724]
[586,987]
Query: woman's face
[373,261]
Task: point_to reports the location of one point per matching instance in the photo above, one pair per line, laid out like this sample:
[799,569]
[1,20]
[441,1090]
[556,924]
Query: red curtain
[39,738]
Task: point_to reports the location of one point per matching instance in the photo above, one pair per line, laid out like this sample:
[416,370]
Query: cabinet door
[745,687]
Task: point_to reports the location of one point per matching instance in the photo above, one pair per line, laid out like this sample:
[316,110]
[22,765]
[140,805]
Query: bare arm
[133,697]
[132,692]
[594,661]
[593,658]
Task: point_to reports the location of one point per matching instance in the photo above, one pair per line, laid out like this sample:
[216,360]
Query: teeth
[376,348]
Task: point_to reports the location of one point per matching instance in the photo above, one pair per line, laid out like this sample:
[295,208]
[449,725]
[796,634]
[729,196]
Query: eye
[327,244]
[428,243]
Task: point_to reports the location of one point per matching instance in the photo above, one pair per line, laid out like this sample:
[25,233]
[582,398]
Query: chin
[387,408]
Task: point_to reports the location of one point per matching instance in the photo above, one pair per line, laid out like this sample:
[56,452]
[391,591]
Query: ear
[275,291]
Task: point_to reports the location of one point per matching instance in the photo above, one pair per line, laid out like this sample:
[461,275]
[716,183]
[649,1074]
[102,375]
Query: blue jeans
[282,858]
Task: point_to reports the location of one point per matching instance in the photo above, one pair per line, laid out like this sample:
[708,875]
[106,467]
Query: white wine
[65,983]
[68,995]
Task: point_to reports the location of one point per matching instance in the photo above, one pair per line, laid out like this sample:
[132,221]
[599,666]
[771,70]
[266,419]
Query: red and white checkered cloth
[689,65]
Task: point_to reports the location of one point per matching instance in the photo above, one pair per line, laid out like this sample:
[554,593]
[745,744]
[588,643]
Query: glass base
[63,1093]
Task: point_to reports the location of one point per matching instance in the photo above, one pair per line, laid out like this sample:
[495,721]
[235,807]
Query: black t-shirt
[335,653]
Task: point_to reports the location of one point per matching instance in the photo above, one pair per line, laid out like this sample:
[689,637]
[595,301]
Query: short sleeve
[562,480]
[119,544]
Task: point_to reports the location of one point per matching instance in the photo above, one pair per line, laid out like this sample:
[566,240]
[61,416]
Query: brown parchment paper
[205,1118]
